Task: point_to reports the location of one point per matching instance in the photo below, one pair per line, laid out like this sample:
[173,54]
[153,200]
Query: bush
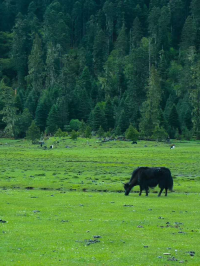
[33,132]
[159,134]
[74,135]
[75,124]
[88,132]
[59,133]
[100,132]
[132,133]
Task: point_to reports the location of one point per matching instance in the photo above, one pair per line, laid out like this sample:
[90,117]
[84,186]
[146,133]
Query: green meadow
[66,205]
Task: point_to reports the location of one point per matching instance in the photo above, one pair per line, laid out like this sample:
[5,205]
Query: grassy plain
[64,206]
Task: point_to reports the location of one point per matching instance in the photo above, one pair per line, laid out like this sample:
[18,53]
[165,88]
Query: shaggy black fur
[147,177]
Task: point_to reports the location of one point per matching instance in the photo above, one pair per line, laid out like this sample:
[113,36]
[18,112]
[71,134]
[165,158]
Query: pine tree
[135,34]
[99,49]
[53,120]
[42,111]
[132,133]
[151,107]
[109,115]
[33,132]
[173,119]
[19,49]
[9,116]
[23,123]
[56,33]
[188,33]
[36,66]
[123,122]
[98,118]
[195,98]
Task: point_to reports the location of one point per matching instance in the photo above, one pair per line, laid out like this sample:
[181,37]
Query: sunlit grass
[55,209]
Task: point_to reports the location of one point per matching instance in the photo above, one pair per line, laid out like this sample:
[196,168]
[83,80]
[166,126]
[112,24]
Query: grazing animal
[147,177]
[51,147]
[172,146]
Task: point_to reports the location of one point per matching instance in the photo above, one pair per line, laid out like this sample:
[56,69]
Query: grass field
[66,206]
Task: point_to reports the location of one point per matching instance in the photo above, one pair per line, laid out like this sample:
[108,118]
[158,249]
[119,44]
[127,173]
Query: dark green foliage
[108,63]
[132,133]
[75,124]
[88,132]
[74,135]
[100,132]
[98,117]
[53,120]
[123,122]
[33,132]
[159,134]
[109,115]
[42,111]
[23,123]
[174,118]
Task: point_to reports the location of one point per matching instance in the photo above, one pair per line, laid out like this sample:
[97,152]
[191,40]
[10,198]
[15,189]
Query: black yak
[147,177]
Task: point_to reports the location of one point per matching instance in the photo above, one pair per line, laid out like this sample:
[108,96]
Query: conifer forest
[100,65]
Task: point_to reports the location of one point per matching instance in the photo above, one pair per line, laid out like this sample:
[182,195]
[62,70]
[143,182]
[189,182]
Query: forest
[105,65]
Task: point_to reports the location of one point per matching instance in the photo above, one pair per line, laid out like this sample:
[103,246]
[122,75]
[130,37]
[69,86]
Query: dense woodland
[109,64]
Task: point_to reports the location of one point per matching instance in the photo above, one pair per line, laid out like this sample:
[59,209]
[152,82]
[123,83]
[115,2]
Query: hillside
[107,63]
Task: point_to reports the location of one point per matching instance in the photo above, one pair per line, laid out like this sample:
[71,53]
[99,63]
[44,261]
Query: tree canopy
[109,63]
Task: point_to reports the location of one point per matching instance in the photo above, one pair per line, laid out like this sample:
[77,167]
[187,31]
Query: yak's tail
[170,182]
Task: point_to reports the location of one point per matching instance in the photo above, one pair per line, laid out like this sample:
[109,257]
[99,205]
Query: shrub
[88,132]
[159,134]
[75,124]
[132,133]
[33,132]
[74,135]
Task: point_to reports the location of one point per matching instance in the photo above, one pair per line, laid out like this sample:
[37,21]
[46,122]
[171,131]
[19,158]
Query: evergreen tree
[33,132]
[9,116]
[56,33]
[19,49]
[195,98]
[42,112]
[23,123]
[31,101]
[188,33]
[88,132]
[174,118]
[123,122]
[53,120]
[98,118]
[109,115]
[36,66]
[132,133]
[99,49]
[135,34]
[151,107]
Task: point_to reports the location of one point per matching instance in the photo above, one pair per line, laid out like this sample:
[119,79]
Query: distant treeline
[109,64]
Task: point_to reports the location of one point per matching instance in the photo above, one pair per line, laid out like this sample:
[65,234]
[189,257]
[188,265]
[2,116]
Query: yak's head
[127,188]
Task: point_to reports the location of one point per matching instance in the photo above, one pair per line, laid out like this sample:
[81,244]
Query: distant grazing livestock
[172,146]
[51,147]
[147,177]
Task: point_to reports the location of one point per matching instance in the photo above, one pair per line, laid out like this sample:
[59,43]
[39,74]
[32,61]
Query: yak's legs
[161,190]
[165,191]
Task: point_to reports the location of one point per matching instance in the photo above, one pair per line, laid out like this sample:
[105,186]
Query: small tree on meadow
[74,135]
[75,124]
[132,133]
[100,132]
[159,134]
[88,132]
[33,132]
[59,133]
